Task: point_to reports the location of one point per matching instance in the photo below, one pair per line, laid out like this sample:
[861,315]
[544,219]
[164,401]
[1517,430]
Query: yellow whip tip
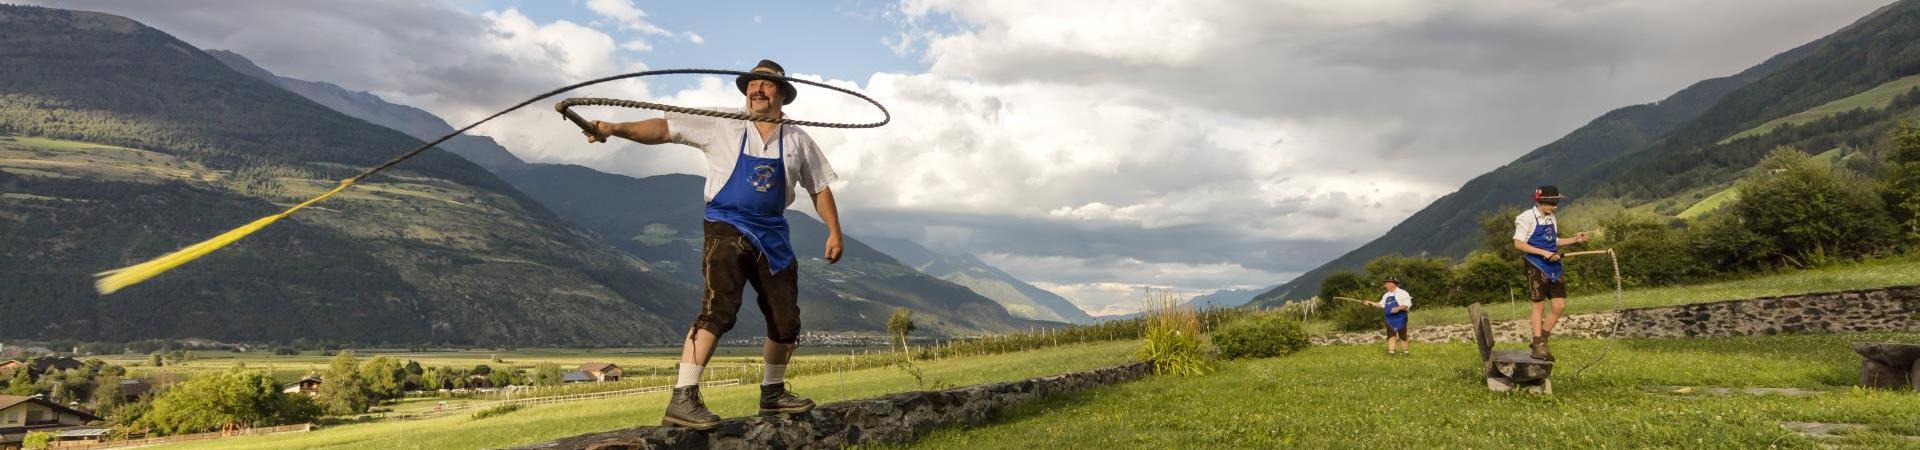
[112,281]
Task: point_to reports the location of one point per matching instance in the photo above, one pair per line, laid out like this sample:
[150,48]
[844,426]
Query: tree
[342,390]
[1427,279]
[22,383]
[106,393]
[153,359]
[1810,212]
[383,376]
[546,374]
[900,324]
[1903,180]
[233,399]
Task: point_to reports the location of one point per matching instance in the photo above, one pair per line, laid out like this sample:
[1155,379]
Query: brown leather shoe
[688,410]
[775,399]
[1539,347]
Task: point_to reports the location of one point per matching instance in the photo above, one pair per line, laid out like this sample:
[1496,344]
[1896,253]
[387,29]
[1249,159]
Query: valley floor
[1358,397]
[548,422]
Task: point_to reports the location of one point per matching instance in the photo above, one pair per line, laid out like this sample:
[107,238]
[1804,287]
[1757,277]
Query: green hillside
[1672,155]
[1877,98]
[147,144]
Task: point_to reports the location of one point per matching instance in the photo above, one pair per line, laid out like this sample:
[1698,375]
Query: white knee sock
[776,374]
[689,375]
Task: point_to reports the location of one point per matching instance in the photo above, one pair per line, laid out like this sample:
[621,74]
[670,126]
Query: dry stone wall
[1886,309]
[892,419]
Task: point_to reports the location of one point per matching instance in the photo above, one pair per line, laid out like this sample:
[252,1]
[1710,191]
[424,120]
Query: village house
[20,415]
[7,367]
[600,371]
[309,385]
[132,389]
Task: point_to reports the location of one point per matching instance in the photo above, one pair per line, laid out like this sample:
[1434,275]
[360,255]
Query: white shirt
[1523,224]
[719,139]
[1399,295]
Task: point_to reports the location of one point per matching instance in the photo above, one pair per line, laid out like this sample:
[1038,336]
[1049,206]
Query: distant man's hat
[1548,194]
[1394,280]
[767,66]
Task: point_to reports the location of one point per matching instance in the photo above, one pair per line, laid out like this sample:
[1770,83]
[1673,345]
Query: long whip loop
[114,280]
[1619,308]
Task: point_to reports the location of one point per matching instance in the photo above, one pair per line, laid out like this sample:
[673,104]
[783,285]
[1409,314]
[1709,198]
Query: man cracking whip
[1534,234]
[751,170]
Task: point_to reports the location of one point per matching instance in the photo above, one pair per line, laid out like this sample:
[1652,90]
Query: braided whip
[114,280]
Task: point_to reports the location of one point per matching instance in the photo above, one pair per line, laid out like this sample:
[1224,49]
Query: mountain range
[658,219]
[149,144]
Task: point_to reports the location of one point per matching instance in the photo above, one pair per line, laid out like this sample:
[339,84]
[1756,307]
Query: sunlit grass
[1358,397]
[554,421]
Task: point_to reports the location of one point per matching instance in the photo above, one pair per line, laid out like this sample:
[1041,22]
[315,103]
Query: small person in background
[1395,302]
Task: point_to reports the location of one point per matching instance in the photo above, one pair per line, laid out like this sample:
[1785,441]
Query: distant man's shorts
[1400,333]
[1539,288]
[730,261]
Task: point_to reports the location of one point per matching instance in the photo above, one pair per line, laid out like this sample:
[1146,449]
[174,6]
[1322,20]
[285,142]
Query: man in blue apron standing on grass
[752,168]
[1395,303]
[1535,234]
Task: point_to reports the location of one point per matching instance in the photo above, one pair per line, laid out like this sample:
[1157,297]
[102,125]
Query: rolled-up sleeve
[1522,228]
[816,173]
[693,131]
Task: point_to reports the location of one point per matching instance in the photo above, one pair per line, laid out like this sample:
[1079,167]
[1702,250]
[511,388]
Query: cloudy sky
[1088,147]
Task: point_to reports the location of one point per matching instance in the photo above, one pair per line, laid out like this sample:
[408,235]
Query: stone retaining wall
[894,419]
[1886,309]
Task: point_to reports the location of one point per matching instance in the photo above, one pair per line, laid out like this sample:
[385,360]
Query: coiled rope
[114,280]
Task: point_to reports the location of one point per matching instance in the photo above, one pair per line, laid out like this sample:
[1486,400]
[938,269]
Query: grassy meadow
[1645,394]
[553,421]
[1859,275]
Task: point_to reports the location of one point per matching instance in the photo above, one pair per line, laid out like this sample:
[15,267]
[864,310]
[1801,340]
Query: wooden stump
[1508,370]
[1888,365]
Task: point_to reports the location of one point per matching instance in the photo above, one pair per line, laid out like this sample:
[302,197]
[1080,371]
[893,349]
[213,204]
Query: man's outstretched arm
[823,203]
[650,131]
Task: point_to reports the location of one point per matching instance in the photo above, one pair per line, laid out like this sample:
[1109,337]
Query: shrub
[1173,342]
[1811,212]
[37,440]
[496,411]
[1260,336]
[1350,316]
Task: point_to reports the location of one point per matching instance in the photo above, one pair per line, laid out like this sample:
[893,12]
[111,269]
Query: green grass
[635,361]
[1357,397]
[1861,275]
[1711,203]
[548,422]
[1878,97]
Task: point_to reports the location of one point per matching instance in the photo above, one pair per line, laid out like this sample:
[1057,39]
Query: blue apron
[1396,321]
[754,201]
[1544,237]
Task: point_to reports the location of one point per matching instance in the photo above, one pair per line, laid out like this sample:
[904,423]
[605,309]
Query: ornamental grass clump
[1174,343]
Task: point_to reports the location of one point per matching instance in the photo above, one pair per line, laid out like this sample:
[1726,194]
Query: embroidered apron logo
[762,177]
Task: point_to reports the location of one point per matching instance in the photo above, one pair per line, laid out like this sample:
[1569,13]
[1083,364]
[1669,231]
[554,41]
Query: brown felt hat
[767,66]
